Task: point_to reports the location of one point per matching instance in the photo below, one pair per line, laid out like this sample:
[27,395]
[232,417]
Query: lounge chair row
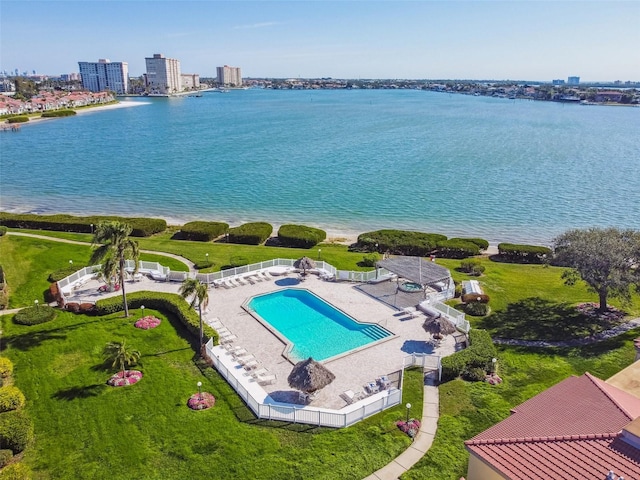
[247,279]
[251,365]
[381,383]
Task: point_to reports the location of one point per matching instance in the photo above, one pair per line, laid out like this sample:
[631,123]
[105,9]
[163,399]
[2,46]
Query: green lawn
[88,430]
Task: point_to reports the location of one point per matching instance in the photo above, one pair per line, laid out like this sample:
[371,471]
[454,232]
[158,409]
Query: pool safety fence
[423,360]
[268,409]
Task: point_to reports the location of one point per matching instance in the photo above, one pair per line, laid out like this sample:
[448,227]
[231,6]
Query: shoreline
[80,111]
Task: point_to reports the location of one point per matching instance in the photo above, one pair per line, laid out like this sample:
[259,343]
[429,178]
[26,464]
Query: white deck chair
[266,379]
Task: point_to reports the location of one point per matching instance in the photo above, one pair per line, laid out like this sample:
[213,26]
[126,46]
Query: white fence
[78,278]
[427,362]
[461,323]
[287,412]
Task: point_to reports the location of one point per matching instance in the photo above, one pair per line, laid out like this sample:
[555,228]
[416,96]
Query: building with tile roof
[581,428]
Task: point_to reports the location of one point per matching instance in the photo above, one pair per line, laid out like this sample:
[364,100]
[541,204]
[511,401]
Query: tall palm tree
[200,292]
[112,240]
[121,355]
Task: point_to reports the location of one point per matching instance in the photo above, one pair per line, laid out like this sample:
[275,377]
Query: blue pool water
[314,327]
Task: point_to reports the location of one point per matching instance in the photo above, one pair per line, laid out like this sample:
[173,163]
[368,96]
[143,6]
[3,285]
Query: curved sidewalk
[423,440]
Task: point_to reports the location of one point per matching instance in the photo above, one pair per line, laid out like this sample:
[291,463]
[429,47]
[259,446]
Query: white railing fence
[304,413]
[456,315]
[427,362]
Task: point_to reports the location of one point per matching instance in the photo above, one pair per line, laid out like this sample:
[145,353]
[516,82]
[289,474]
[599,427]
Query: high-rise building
[573,80]
[105,75]
[163,75]
[231,76]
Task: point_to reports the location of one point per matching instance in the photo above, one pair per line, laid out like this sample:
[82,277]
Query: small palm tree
[112,240]
[121,355]
[200,292]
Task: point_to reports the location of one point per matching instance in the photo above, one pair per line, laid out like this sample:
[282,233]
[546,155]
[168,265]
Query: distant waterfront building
[557,82]
[163,75]
[105,75]
[190,81]
[573,80]
[231,76]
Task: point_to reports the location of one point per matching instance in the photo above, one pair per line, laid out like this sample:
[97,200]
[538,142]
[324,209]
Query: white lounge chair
[260,372]
[266,379]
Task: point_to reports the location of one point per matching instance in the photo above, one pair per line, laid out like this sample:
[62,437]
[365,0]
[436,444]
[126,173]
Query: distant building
[573,80]
[557,82]
[190,81]
[163,75]
[105,75]
[231,76]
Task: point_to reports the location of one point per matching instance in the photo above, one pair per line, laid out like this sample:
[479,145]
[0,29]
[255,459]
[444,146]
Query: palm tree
[200,292]
[113,241]
[121,355]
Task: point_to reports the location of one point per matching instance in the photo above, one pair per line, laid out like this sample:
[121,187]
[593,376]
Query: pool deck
[352,370]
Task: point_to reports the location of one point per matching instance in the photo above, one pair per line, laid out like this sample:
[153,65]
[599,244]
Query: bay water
[347,161]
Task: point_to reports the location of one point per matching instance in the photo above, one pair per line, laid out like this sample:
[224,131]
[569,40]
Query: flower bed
[129,378]
[201,401]
[493,379]
[411,428]
[147,322]
[590,309]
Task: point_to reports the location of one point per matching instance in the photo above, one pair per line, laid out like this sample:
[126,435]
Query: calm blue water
[346,161]
[315,328]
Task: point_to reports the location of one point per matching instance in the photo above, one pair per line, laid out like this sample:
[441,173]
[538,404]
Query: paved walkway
[423,440]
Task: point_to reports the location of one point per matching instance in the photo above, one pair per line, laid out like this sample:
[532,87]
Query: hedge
[16,471]
[300,236]
[5,457]
[59,113]
[203,231]
[400,242]
[16,430]
[166,302]
[475,298]
[480,242]
[523,253]
[457,248]
[64,272]
[472,266]
[11,398]
[18,119]
[478,355]
[477,309]
[3,230]
[6,367]
[142,227]
[253,233]
[35,315]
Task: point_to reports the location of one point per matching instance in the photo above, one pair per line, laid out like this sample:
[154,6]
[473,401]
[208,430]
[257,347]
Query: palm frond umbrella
[309,376]
[439,326]
[305,263]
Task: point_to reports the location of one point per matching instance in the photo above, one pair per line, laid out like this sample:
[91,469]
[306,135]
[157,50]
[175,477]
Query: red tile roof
[570,431]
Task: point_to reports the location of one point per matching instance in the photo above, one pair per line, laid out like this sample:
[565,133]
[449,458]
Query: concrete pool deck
[352,370]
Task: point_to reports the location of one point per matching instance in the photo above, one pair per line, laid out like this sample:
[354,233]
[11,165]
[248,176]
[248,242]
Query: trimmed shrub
[16,430]
[16,471]
[457,248]
[4,300]
[300,236]
[6,367]
[370,259]
[18,119]
[64,272]
[472,266]
[399,242]
[203,231]
[142,227]
[3,230]
[35,315]
[475,298]
[478,355]
[73,307]
[11,398]
[253,233]
[474,374]
[166,302]
[480,242]
[59,113]
[477,309]
[5,457]
[511,252]
[87,308]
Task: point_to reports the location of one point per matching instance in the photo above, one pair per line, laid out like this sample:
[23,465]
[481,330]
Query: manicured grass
[467,409]
[86,429]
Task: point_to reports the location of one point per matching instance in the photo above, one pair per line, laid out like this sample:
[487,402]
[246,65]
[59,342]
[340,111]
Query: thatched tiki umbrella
[305,263]
[309,376]
[439,326]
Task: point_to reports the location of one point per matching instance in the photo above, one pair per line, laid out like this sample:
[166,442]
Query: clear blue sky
[481,39]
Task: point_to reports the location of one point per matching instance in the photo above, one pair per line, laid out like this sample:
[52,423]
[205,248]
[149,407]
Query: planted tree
[114,243]
[121,355]
[200,292]
[607,260]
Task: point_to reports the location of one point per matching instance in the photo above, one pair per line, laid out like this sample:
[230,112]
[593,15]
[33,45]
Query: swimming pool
[313,327]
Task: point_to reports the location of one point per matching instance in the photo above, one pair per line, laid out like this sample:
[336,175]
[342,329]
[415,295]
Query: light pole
[142,308]
[199,390]
[37,303]
[207,256]
[71,263]
[319,253]
[408,405]
[494,362]
[92,229]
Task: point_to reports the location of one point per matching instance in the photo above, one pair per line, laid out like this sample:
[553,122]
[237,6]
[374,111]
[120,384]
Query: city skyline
[518,40]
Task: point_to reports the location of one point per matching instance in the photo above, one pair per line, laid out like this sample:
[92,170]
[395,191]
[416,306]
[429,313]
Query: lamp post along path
[408,405]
